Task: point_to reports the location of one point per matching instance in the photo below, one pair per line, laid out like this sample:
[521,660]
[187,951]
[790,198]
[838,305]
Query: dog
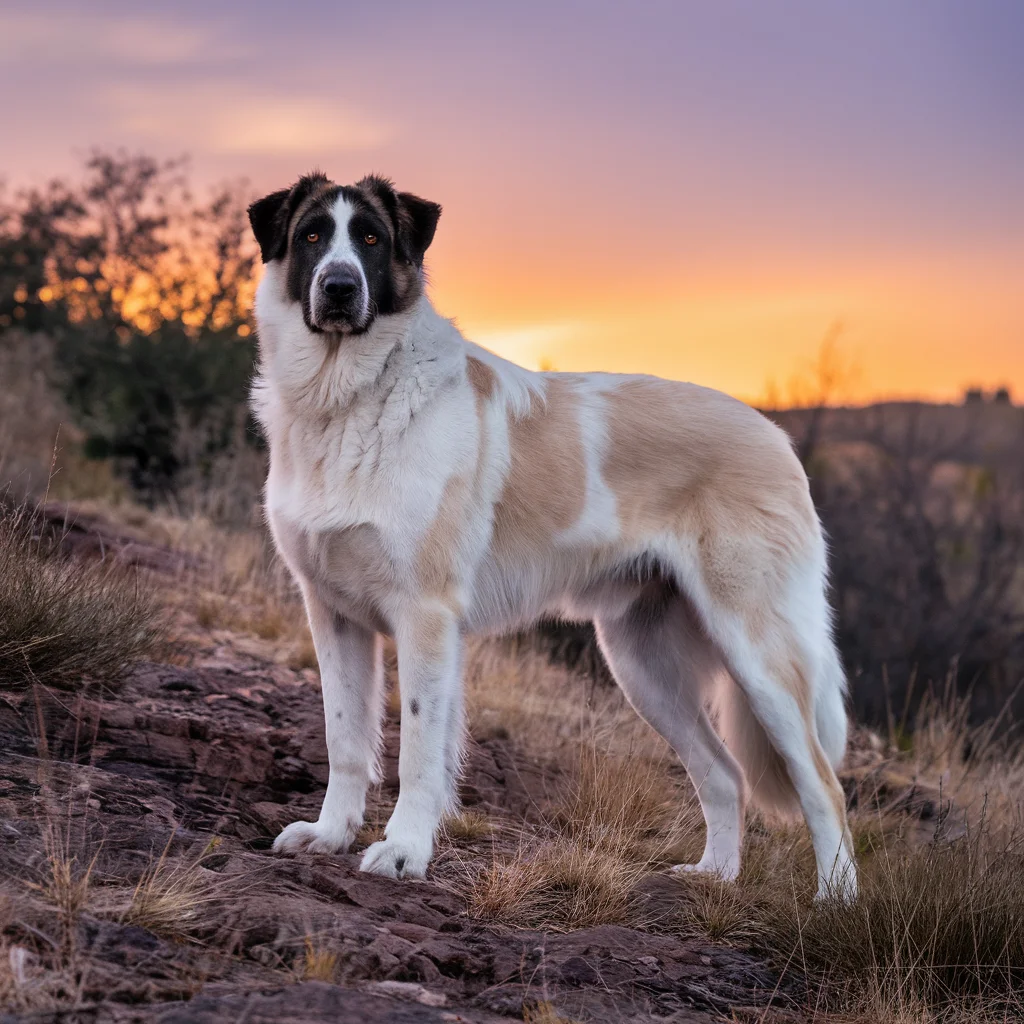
[423,488]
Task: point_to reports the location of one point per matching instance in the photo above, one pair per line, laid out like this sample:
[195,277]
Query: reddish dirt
[196,767]
[182,755]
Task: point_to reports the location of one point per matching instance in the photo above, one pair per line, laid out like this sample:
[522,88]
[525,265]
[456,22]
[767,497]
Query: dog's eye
[313,237]
[370,239]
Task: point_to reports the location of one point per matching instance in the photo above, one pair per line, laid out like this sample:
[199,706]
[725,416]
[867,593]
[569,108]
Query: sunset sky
[698,190]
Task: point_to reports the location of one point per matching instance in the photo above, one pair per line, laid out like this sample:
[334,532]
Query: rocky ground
[138,882]
[189,772]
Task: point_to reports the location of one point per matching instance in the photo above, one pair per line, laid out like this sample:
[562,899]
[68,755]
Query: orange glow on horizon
[698,191]
[911,332]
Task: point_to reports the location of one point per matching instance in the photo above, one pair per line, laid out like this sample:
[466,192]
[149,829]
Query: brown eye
[312,237]
[370,239]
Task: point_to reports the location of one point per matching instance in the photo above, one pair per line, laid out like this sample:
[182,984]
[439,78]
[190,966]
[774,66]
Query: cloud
[231,118]
[134,40]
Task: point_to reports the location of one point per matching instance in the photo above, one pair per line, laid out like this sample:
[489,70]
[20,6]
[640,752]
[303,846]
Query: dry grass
[619,810]
[600,837]
[544,1012]
[66,885]
[235,584]
[45,966]
[318,963]
[62,622]
[242,586]
[468,826]
[937,933]
[557,884]
[936,926]
[512,691]
[626,806]
[173,896]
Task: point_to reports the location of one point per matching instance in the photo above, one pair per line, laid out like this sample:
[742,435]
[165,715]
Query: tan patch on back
[545,490]
[694,462]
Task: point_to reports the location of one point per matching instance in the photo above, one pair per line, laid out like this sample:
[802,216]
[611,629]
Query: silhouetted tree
[145,292]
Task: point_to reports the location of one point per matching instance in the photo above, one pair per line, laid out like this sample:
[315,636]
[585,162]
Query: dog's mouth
[339,325]
[351,318]
[339,304]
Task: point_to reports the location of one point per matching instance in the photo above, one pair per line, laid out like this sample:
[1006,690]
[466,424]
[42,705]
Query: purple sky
[746,149]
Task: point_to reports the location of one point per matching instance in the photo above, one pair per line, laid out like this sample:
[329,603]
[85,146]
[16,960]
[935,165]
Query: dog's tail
[830,706]
[771,789]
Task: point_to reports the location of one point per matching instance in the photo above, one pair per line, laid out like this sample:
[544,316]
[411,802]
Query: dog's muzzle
[339,300]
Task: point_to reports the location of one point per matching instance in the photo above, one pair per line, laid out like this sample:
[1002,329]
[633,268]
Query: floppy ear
[414,219]
[270,215]
[417,222]
[269,219]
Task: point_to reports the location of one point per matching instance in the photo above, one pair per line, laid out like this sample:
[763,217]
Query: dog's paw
[397,858]
[727,872]
[840,888]
[315,837]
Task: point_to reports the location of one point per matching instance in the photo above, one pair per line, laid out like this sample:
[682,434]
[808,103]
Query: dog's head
[349,253]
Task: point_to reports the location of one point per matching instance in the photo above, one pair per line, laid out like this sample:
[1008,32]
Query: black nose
[340,283]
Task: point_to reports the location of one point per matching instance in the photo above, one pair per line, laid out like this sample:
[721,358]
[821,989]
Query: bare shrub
[31,413]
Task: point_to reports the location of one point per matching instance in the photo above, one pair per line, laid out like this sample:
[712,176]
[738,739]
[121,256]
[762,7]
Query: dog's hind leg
[785,666]
[352,684]
[666,667]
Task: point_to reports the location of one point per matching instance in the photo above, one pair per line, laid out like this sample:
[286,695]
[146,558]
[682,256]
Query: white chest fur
[356,483]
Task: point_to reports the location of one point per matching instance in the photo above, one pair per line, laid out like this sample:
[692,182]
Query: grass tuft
[63,622]
[936,925]
[468,826]
[318,963]
[622,805]
[560,885]
[179,899]
[543,1012]
[66,884]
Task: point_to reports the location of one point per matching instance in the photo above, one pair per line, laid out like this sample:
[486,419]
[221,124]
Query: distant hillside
[988,433]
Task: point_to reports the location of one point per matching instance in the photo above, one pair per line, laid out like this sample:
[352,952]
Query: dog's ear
[271,215]
[414,219]
[269,220]
[417,222]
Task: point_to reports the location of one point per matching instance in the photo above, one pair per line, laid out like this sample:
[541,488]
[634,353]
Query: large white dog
[423,488]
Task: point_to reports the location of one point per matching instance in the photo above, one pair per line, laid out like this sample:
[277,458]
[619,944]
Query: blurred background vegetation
[126,352]
[126,297]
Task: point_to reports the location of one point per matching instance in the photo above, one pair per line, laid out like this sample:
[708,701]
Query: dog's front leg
[429,672]
[352,683]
